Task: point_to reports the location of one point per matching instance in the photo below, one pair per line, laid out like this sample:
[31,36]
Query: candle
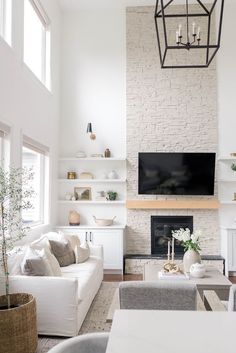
[173,249]
[168,251]
[180,30]
[198,32]
[177,37]
[194,28]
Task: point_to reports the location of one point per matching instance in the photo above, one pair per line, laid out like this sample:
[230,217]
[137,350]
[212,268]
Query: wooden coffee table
[213,280]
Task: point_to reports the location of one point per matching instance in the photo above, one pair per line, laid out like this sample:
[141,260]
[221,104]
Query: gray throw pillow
[63,252]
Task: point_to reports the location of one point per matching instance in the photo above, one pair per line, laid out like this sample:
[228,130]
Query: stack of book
[171,276]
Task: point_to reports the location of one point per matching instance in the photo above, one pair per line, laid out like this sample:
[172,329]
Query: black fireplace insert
[161,232]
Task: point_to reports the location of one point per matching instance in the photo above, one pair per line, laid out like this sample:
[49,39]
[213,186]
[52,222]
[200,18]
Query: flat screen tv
[176,173]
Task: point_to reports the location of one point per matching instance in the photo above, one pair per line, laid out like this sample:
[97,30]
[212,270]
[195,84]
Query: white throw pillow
[54,264]
[82,253]
[36,263]
[41,243]
[73,240]
[14,260]
[56,236]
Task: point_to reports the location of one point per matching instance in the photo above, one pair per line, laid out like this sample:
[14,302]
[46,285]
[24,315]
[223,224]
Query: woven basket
[18,326]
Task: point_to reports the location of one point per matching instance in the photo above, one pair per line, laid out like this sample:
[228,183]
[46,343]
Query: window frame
[44,175]
[45,78]
[3,12]
[5,136]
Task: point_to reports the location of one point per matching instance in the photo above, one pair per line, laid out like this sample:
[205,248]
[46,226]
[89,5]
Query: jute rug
[98,318]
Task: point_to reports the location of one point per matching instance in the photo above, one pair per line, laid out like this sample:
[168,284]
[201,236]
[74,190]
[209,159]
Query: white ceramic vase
[190,257]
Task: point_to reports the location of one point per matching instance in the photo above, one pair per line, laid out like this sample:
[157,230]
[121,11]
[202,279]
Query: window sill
[5,43]
[29,72]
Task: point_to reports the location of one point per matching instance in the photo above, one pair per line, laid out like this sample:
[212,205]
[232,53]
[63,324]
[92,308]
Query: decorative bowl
[102,222]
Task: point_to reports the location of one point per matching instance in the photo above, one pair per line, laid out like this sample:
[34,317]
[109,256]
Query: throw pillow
[73,240]
[56,236]
[63,252]
[41,243]
[14,259]
[35,263]
[82,253]
[54,264]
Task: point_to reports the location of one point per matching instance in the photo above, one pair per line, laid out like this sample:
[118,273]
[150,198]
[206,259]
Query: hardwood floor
[232,279]
[120,278]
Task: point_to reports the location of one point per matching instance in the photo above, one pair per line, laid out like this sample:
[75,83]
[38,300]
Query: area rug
[96,319]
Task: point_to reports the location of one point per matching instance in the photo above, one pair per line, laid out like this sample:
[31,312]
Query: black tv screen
[176,173]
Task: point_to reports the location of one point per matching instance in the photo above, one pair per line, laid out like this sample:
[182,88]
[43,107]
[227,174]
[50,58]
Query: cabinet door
[232,250]
[112,242]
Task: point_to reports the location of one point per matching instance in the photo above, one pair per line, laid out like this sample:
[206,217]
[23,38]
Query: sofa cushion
[35,263]
[82,253]
[54,264]
[41,243]
[73,240]
[63,252]
[86,273]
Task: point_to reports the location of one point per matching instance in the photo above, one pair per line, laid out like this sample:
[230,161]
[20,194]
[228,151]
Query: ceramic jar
[190,257]
[107,153]
[74,218]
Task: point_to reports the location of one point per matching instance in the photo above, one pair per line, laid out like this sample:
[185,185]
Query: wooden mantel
[174,204]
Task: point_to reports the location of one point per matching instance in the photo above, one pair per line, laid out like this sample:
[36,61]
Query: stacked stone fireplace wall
[173,110]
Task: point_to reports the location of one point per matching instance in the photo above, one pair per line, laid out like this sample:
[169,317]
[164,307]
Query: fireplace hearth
[161,232]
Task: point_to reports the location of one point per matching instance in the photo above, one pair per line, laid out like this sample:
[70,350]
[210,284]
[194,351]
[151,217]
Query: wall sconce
[90,131]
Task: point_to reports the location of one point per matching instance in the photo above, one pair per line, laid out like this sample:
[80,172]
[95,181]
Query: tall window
[37,40]
[35,157]
[4,145]
[6,20]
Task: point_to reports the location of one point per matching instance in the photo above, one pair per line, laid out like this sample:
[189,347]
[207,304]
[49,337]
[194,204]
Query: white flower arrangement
[189,241]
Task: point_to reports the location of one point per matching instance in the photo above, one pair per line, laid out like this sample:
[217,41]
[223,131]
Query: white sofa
[63,302]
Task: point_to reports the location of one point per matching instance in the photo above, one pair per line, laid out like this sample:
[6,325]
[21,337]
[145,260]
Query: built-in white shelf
[228,227]
[227,180]
[228,202]
[89,159]
[226,158]
[92,181]
[92,202]
[85,227]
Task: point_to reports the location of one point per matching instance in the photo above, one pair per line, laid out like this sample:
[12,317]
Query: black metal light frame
[160,14]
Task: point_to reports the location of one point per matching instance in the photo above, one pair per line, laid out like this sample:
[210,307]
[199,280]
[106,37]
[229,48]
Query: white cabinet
[228,247]
[111,239]
[112,242]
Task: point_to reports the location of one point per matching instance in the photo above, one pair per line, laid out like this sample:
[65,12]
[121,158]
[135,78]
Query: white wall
[227,83]
[25,104]
[93,81]
[226,69]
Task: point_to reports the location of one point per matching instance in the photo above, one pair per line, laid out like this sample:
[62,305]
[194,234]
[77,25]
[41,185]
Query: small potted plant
[18,328]
[191,245]
[112,195]
[233,167]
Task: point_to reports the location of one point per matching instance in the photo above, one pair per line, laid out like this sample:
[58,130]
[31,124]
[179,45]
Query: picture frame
[82,193]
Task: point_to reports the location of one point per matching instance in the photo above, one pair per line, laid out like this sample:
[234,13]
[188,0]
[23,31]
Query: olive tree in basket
[18,330]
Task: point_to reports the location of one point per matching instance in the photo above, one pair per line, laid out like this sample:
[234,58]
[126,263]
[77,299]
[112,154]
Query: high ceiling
[103,4]
[90,4]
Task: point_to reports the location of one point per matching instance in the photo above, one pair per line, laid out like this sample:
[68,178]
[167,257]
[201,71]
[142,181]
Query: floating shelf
[103,159]
[84,227]
[226,158]
[92,202]
[92,181]
[173,204]
[227,180]
[228,202]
